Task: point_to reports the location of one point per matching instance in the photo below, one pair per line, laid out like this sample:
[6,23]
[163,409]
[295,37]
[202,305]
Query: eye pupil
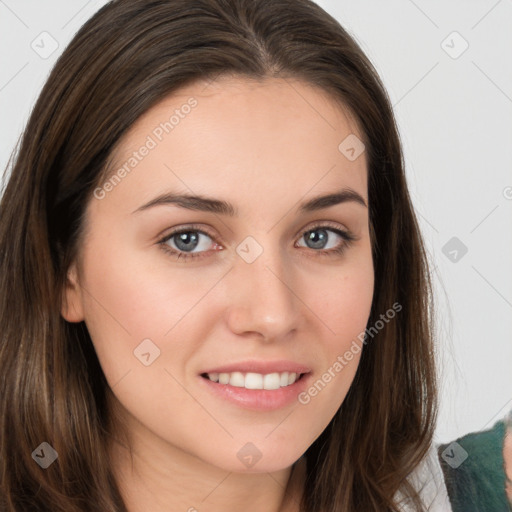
[318,237]
[187,241]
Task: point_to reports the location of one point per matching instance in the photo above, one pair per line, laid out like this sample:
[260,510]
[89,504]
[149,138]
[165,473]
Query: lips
[261,367]
[261,386]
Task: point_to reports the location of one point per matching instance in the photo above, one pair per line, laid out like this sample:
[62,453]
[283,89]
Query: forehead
[241,136]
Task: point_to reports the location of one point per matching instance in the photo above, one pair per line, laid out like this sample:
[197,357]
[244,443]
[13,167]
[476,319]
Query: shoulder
[473,468]
[428,480]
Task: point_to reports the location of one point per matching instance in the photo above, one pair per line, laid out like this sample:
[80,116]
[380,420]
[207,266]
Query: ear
[72,306]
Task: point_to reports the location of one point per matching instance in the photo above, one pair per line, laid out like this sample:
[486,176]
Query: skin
[264,147]
[507,458]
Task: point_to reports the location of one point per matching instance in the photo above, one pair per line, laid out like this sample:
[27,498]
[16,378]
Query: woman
[215,292]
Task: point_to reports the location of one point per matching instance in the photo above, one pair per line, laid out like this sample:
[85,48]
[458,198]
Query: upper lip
[263,367]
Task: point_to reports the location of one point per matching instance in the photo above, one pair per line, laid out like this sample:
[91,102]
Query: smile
[250,380]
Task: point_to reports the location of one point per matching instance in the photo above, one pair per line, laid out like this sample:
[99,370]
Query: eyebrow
[211,205]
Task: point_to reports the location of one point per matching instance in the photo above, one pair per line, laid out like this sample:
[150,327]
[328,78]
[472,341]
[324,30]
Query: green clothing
[474,471]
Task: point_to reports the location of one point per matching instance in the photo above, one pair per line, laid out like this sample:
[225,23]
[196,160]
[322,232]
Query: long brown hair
[126,58]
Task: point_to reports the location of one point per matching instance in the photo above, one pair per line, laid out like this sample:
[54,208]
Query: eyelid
[346,234]
[326,224]
[184,229]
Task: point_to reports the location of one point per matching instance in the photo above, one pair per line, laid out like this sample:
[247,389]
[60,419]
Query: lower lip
[258,399]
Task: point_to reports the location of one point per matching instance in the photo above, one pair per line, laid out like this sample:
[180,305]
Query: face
[221,321]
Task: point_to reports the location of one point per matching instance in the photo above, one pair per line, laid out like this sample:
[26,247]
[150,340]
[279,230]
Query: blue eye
[186,241]
[321,237]
[190,242]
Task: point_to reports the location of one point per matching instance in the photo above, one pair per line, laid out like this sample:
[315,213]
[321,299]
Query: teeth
[237,379]
[268,381]
[253,381]
[272,381]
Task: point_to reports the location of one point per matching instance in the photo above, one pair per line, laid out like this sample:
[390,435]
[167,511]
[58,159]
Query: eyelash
[346,235]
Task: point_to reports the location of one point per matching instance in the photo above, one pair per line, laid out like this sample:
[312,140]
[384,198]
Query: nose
[264,297]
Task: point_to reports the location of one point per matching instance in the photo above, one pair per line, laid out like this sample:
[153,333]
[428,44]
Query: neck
[172,479]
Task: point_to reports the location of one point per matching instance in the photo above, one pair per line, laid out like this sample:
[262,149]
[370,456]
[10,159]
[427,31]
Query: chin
[251,459]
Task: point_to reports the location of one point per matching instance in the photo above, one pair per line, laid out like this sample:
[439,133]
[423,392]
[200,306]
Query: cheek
[343,306]
[128,300]
[344,301]
[132,298]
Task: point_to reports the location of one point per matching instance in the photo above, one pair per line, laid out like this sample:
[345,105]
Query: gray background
[454,110]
